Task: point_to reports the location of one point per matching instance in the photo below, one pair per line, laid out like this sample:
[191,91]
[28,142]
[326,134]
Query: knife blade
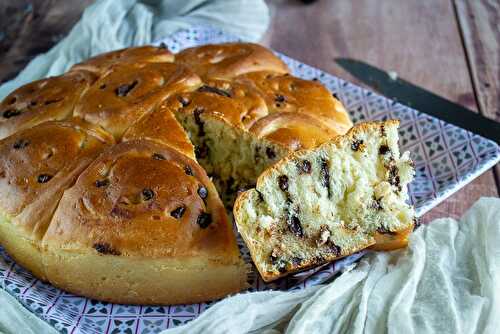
[421,99]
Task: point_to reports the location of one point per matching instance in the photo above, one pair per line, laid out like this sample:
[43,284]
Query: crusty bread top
[39,163]
[285,110]
[126,92]
[141,54]
[161,126]
[228,60]
[43,100]
[286,93]
[141,198]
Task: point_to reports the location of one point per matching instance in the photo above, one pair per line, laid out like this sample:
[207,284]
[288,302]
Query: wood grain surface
[480,28]
[420,40]
[450,47]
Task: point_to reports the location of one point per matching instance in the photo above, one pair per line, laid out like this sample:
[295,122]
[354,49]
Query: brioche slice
[321,204]
[143,224]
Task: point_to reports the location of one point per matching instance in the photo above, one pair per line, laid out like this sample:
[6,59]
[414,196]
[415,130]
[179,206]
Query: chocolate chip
[12,100]
[11,113]
[270,153]
[105,248]
[304,167]
[261,197]
[124,89]
[178,212]
[357,144]
[201,151]
[33,103]
[335,96]
[334,249]
[394,177]
[204,219]
[383,149]
[44,178]
[382,130]
[197,112]
[102,86]
[184,101]
[278,262]
[101,183]
[376,204]
[279,98]
[188,170]
[325,175]
[163,46]
[158,156]
[294,226]
[283,182]
[215,90]
[20,144]
[147,194]
[202,191]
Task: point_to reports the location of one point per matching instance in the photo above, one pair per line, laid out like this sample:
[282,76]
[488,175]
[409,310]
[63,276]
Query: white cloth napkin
[447,281]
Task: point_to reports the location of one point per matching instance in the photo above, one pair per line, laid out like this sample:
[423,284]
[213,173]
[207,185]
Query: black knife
[421,99]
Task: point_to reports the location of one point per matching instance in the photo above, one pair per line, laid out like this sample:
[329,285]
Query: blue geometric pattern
[446,158]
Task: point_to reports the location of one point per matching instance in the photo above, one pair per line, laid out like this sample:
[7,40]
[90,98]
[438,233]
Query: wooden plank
[420,40]
[480,27]
[31,27]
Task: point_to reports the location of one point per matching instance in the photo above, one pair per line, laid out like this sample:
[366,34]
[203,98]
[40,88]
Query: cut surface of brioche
[321,204]
[241,127]
[143,209]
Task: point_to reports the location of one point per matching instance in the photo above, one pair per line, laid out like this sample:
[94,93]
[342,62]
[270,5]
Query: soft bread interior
[325,203]
[232,157]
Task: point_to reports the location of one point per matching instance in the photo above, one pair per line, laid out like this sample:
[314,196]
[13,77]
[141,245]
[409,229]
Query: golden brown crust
[226,61]
[43,100]
[160,125]
[140,199]
[37,165]
[141,54]
[126,92]
[286,93]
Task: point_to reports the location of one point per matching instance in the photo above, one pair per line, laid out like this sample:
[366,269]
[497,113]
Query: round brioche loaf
[103,179]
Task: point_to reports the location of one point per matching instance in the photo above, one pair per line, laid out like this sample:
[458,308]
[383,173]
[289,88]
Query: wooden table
[451,47]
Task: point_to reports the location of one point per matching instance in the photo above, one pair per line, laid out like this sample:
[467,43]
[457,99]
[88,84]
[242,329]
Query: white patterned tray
[446,158]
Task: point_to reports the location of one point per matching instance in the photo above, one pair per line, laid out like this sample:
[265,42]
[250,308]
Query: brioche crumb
[356,188]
